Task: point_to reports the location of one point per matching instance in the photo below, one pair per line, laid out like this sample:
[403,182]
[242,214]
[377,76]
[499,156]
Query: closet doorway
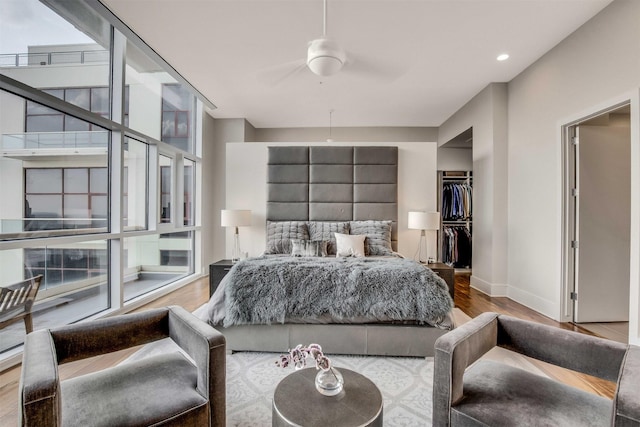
[598,209]
[455,202]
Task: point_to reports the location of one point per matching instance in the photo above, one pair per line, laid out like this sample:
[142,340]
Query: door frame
[631,98]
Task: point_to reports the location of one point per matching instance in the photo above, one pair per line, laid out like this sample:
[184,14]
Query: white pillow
[349,245]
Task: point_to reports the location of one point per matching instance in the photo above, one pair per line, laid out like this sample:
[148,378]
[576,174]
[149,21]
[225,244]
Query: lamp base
[422,248]
[235,253]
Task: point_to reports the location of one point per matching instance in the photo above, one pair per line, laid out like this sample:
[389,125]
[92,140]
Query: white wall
[486,114]
[246,188]
[597,64]
[594,68]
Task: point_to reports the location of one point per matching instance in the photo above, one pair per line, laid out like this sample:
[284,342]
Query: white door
[603,210]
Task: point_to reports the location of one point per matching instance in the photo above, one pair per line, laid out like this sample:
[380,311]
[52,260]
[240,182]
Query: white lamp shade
[235,218]
[424,220]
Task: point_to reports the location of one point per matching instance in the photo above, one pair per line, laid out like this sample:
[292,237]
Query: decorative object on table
[235,218]
[424,221]
[329,380]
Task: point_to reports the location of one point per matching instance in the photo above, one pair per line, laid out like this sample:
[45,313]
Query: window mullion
[178,192]
[116,164]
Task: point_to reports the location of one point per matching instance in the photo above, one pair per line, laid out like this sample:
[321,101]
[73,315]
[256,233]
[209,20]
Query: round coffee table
[296,402]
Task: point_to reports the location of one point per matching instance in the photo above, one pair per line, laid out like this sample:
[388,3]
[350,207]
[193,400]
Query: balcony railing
[42,140]
[46,227]
[54,58]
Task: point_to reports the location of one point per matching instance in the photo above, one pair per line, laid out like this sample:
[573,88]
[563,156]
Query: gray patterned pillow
[305,248]
[320,230]
[280,234]
[378,241]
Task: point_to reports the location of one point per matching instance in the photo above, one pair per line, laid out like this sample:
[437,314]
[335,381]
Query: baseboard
[529,300]
[491,289]
[535,303]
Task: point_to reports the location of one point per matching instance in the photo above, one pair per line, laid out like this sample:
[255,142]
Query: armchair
[164,389]
[489,393]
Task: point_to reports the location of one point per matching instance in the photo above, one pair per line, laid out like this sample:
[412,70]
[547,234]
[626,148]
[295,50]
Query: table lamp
[424,221]
[235,218]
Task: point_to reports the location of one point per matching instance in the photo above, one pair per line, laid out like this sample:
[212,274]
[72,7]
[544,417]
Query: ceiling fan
[325,56]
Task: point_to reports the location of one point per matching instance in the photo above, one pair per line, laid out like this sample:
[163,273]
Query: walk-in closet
[455,201]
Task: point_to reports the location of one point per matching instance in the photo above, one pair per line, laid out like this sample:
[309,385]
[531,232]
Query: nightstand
[217,271]
[446,272]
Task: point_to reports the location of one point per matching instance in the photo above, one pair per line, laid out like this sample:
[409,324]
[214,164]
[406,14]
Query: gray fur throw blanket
[270,290]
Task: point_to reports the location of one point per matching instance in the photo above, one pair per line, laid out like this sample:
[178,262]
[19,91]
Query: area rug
[405,383]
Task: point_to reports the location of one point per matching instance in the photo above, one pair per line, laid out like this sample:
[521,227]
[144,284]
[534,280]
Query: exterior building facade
[99,167]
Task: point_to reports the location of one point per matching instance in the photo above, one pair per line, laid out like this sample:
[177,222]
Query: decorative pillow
[319,230]
[349,245]
[378,234]
[280,234]
[306,248]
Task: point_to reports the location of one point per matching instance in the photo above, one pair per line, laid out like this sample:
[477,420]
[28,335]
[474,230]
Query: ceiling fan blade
[275,75]
[374,68]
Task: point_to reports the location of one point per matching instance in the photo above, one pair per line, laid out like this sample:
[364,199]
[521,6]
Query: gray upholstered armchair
[494,394]
[165,389]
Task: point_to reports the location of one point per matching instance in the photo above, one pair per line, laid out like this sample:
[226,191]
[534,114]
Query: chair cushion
[158,390]
[496,394]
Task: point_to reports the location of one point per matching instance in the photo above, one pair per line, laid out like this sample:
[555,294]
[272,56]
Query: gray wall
[208,190]
[455,159]
[486,113]
[216,133]
[348,134]
[594,68]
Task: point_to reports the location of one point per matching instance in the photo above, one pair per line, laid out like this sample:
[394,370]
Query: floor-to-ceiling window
[98,153]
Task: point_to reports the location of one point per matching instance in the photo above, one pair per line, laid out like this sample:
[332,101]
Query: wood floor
[467,299]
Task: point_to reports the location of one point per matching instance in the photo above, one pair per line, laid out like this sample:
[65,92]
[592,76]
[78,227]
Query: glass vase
[329,382]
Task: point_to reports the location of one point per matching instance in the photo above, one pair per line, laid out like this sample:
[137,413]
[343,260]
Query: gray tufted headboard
[321,183]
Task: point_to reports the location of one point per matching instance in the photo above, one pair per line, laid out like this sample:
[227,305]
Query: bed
[330,273]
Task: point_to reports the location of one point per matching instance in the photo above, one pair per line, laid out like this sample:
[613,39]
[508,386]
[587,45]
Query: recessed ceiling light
[503,57]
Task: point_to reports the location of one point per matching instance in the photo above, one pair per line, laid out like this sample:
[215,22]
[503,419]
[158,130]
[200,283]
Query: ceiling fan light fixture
[325,57]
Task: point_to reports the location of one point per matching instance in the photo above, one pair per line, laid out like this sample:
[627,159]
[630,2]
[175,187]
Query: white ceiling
[410,62]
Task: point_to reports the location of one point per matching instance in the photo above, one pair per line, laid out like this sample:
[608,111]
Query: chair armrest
[572,350]
[454,352]
[626,401]
[207,347]
[88,339]
[39,390]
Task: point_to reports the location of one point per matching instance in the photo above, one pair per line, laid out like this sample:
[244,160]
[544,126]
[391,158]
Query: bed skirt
[357,339]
